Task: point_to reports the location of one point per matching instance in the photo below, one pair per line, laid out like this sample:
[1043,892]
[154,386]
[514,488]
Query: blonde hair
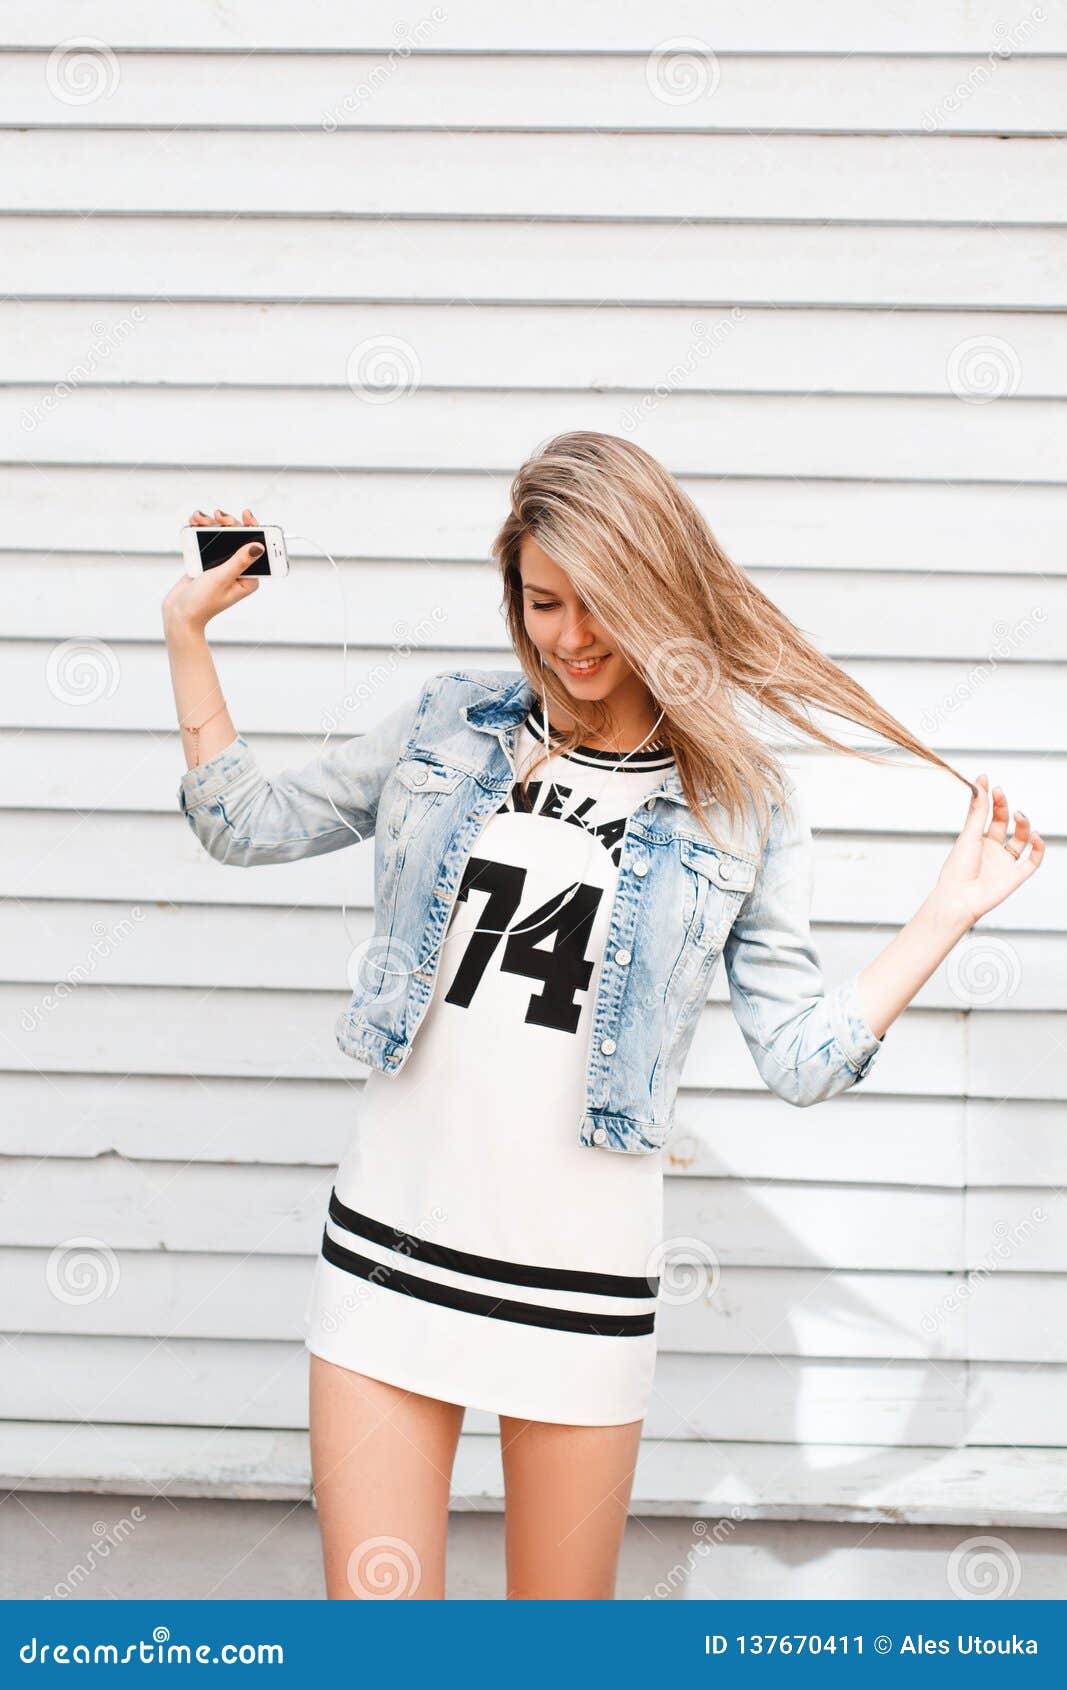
[709,645]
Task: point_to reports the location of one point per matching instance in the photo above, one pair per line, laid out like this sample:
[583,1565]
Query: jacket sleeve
[242,816]
[807,1044]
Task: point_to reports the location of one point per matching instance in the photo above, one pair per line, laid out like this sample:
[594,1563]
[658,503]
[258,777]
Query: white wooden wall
[823,277]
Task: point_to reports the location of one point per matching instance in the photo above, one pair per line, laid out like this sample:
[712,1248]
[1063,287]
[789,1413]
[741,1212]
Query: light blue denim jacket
[426,779]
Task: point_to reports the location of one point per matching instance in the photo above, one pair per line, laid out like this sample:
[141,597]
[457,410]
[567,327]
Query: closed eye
[541,607]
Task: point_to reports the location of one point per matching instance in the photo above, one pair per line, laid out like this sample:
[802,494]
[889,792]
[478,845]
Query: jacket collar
[508,704]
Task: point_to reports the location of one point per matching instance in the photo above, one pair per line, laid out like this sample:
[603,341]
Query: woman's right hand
[195,599]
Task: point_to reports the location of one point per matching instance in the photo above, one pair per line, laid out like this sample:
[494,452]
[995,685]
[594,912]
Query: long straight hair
[714,651]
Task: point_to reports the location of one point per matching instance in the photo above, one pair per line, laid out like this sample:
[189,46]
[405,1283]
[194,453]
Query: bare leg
[567,1491]
[381,1459]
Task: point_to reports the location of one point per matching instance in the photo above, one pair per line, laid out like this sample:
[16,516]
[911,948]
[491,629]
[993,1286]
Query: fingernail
[255,548]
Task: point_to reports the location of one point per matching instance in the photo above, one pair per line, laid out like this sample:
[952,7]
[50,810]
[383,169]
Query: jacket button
[622,958]
[641,867]
[725,870]
[600,1135]
[418,775]
[607,1046]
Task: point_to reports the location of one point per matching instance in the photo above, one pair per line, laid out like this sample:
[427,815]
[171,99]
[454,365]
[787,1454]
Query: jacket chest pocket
[718,883]
[421,784]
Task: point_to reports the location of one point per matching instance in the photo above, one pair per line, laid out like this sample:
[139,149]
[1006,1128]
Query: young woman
[563,851]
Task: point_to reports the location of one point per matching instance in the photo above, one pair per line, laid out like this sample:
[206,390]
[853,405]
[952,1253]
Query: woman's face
[565,632]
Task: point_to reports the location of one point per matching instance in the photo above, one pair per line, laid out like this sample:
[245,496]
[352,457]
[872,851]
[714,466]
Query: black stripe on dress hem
[474,1302]
[490,1267]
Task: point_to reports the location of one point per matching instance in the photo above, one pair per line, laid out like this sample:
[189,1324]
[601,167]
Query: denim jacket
[426,779]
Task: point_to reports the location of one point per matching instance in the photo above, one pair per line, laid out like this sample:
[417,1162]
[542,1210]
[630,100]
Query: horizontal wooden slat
[967,1487]
[774,1311]
[901,1142]
[1033,1149]
[952,26]
[660,177]
[852,93]
[160,1294]
[81,769]
[159,1205]
[146,859]
[753,1399]
[280,1211]
[761,521]
[1020,1405]
[268,1034]
[952,266]
[1018,1231]
[88,682]
[509,347]
[834,437]
[1007,619]
[768,1311]
[276,1032]
[1017,1061]
[73,942]
[1010,1317]
[886,1141]
[757,1399]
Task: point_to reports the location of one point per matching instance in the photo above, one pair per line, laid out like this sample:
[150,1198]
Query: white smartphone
[207,547]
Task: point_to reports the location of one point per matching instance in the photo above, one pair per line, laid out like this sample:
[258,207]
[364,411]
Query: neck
[634,721]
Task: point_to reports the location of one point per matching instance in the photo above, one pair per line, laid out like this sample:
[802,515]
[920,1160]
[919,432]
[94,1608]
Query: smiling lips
[587,665]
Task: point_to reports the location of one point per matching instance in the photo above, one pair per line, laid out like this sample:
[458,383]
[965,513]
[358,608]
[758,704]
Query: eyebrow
[529,587]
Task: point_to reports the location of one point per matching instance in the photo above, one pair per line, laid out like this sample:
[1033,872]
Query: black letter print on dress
[563,970]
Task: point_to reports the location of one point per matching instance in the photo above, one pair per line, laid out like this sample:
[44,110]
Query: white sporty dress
[474,1250]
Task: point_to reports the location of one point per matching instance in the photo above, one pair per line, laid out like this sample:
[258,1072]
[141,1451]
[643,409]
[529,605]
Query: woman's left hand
[985,867]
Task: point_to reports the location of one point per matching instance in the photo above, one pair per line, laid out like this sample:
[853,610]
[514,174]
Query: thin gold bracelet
[196,731]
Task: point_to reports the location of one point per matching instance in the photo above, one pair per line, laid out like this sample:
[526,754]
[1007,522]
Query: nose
[577,635]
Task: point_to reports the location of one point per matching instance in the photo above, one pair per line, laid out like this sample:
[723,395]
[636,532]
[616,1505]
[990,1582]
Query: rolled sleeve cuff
[201,785]
[851,1028]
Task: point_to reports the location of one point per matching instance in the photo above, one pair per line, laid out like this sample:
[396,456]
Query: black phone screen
[219,544]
